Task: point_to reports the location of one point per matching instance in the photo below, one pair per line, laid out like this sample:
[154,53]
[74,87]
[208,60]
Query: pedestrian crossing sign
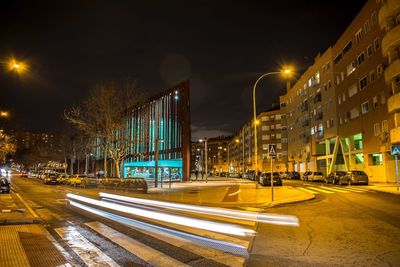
[272,150]
[396,150]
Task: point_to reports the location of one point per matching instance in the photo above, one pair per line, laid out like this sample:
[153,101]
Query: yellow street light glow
[287,71]
[237,140]
[257,122]
[19,67]
[4,114]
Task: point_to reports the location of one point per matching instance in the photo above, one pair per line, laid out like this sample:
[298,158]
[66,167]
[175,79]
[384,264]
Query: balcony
[388,12]
[394,103]
[319,116]
[391,40]
[392,71]
[395,135]
[305,123]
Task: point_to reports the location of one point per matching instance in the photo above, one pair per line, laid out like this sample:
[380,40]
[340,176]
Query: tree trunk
[66,165]
[86,164]
[71,170]
[78,170]
[105,161]
[117,168]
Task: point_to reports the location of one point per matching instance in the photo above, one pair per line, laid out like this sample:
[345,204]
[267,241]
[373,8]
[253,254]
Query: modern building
[29,140]
[158,133]
[337,110]
[270,130]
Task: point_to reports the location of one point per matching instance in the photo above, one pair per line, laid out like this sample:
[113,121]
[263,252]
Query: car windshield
[358,172]
[3,182]
[317,173]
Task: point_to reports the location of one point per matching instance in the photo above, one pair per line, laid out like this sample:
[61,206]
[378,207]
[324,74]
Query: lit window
[377,129]
[374,102]
[385,128]
[374,18]
[354,113]
[351,68]
[352,90]
[358,36]
[279,146]
[377,159]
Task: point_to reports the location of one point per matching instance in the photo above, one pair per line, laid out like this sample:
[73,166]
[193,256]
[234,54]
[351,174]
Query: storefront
[167,169]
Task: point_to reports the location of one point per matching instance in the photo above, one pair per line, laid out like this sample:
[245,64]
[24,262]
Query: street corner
[14,210]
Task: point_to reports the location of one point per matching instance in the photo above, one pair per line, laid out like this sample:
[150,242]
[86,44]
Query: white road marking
[354,190]
[321,190]
[148,254]
[336,189]
[89,253]
[309,191]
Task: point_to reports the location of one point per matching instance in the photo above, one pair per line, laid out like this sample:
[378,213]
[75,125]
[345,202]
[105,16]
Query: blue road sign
[396,150]
[272,150]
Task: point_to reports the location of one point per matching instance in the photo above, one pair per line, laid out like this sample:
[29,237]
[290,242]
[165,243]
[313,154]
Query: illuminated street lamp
[4,114]
[285,72]
[18,67]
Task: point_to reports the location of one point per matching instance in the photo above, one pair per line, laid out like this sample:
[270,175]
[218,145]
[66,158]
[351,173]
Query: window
[383,99]
[366,26]
[358,36]
[374,102]
[278,126]
[377,129]
[331,122]
[279,146]
[374,18]
[360,59]
[369,51]
[265,147]
[372,76]
[385,128]
[264,128]
[272,136]
[265,137]
[342,76]
[329,84]
[337,80]
[354,113]
[278,136]
[317,78]
[344,97]
[365,107]
[264,118]
[347,48]
[352,90]
[339,100]
[351,68]
[363,82]
[379,70]
[277,117]
[272,127]
[284,140]
[377,44]
[377,159]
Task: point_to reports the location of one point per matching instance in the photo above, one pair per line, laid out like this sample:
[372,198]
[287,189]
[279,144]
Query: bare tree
[103,117]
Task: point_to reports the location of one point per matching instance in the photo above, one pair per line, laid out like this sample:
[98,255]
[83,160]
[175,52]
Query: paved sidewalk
[385,187]
[14,210]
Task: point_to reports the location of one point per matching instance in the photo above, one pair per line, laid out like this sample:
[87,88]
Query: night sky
[221,46]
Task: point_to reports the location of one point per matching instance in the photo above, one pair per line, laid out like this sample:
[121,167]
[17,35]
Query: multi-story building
[30,140]
[389,21]
[217,154]
[270,130]
[336,112]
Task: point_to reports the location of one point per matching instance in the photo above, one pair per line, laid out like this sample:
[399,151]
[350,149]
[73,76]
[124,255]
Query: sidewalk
[24,241]
[384,187]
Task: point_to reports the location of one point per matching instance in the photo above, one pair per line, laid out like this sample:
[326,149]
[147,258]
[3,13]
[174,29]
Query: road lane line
[27,206]
[353,190]
[321,190]
[89,253]
[148,254]
[309,191]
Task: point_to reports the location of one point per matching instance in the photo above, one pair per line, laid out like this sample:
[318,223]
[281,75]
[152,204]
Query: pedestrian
[202,175]
[196,172]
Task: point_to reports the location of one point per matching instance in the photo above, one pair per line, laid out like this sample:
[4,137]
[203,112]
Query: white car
[316,176]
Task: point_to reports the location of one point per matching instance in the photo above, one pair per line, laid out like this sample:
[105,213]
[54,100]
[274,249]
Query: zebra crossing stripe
[81,246]
[309,191]
[321,190]
[356,190]
[148,254]
[336,189]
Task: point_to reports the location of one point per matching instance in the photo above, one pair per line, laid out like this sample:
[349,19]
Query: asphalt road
[342,226]
[339,228]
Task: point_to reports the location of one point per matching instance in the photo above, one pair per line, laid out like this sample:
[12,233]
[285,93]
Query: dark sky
[221,46]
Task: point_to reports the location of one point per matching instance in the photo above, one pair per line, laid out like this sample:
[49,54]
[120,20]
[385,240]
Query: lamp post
[158,141]
[205,155]
[286,72]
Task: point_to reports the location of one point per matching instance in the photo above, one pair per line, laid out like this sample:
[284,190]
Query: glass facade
[159,130]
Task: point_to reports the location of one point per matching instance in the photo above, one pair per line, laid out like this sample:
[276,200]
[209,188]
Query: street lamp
[205,154]
[285,72]
[17,66]
[4,114]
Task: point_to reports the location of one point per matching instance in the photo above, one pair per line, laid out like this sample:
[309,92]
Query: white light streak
[278,219]
[175,219]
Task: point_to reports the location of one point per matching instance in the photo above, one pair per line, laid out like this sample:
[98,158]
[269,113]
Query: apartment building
[270,130]
[337,112]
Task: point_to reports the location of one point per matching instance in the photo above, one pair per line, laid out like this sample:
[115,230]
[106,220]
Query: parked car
[265,179]
[4,185]
[334,177]
[23,174]
[284,175]
[62,178]
[294,176]
[354,177]
[76,179]
[251,175]
[305,175]
[316,176]
[50,179]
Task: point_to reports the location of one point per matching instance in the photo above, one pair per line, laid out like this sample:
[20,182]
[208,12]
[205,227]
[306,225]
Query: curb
[20,221]
[387,192]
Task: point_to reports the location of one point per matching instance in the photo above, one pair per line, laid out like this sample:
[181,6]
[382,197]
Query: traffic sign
[272,150]
[396,150]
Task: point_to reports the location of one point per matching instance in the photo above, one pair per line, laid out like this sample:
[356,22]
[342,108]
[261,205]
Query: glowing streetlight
[4,114]
[285,72]
[19,67]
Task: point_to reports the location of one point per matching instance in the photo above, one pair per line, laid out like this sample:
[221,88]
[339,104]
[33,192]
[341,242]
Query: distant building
[31,140]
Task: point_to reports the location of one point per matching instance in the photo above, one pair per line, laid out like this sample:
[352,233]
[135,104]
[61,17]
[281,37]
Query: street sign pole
[397,172]
[272,181]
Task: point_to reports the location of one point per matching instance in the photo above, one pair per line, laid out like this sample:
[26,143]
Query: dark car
[4,185]
[334,177]
[50,179]
[354,177]
[294,176]
[265,179]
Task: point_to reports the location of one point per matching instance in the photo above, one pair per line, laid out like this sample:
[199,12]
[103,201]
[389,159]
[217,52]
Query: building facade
[337,111]
[158,133]
[271,129]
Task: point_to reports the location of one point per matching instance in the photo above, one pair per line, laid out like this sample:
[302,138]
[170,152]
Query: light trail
[175,219]
[199,240]
[287,220]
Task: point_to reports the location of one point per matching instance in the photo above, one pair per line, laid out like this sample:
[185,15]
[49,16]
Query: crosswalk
[84,242]
[317,189]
